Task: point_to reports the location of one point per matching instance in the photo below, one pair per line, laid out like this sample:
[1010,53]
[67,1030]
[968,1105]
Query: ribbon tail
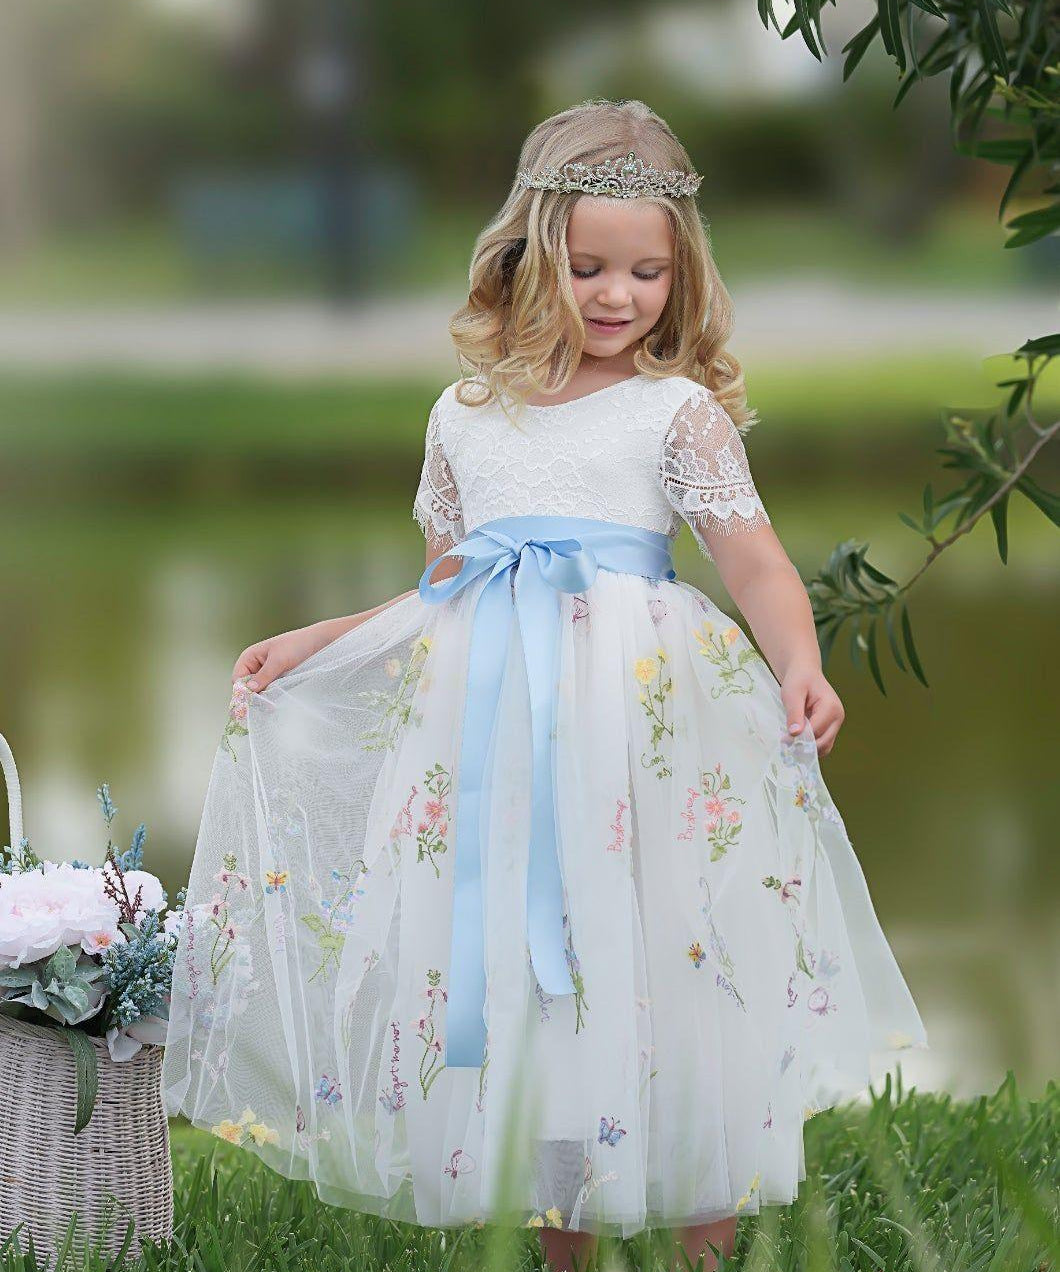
[537,607]
[465,1020]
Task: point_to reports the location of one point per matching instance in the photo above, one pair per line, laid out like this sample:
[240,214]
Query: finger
[249,661]
[794,700]
[827,739]
[270,669]
[820,717]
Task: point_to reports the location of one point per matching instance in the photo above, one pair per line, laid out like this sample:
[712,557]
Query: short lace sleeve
[705,472]
[436,507]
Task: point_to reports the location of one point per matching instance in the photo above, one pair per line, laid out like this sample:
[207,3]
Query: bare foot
[561,1246]
[721,1233]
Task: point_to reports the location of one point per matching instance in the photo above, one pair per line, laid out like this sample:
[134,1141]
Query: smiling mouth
[610,324]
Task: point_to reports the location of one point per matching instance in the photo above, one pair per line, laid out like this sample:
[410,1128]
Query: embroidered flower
[237,714]
[649,672]
[746,1198]
[646,669]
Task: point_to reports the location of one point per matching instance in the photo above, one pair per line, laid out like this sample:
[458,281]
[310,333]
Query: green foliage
[909,1182]
[62,986]
[1020,64]
[994,454]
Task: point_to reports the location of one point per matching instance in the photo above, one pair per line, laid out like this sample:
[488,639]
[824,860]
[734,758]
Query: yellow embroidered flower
[263,1134]
[554,1217]
[420,643]
[750,1189]
[535,1221]
[228,1130]
[661,655]
[646,669]
[248,1115]
[730,635]
[808,1112]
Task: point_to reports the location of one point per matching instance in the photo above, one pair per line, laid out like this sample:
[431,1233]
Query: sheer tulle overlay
[731,973]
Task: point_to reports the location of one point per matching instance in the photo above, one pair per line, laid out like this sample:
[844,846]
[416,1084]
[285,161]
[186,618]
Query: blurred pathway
[779,322]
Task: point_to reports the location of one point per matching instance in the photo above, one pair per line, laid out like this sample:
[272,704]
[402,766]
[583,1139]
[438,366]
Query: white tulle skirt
[731,974]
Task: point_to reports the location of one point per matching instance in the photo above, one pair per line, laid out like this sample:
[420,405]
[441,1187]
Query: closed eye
[589,273]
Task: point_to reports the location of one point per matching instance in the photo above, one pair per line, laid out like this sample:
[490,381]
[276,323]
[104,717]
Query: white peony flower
[61,905]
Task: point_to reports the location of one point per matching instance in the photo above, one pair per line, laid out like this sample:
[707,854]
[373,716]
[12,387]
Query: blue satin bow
[548,554]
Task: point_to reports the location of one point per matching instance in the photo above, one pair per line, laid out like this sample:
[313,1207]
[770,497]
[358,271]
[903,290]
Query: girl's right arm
[275,655]
[436,508]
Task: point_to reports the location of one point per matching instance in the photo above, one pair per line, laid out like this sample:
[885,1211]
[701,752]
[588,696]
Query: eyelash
[645,278]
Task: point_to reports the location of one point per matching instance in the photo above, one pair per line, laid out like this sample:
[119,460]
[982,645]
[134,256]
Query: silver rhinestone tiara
[628,178]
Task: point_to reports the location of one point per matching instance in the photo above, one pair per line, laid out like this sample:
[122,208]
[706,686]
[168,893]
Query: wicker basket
[116,1171]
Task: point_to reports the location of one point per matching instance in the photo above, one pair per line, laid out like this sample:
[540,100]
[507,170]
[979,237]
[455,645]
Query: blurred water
[122,627]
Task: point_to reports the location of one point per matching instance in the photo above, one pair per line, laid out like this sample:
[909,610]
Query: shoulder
[676,391]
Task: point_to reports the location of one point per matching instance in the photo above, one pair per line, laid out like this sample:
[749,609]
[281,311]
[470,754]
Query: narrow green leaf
[858,45]
[874,661]
[999,516]
[891,31]
[896,653]
[994,41]
[87,1068]
[910,648]
[1043,499]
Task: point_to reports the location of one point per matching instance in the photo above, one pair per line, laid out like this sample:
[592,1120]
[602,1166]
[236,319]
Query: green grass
[102,418]
[911,1182]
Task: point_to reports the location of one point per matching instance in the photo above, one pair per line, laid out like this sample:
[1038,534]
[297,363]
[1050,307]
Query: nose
[615,293]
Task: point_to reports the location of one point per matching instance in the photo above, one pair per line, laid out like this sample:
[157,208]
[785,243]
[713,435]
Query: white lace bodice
[647,452]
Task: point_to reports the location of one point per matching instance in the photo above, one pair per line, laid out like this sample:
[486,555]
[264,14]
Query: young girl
[521,894]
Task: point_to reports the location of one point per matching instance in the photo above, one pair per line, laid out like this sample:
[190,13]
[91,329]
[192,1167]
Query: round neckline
[558,406]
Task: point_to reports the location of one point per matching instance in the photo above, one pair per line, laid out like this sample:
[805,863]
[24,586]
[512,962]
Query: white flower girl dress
[519,900]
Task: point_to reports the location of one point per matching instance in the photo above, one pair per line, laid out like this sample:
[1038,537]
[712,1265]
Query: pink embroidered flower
[787,891]
[715,806]
[734,817]
[434,809]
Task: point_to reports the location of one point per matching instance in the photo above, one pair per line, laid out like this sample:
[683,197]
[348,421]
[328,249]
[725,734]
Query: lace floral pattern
[436,507]
[646,451]
[705,472]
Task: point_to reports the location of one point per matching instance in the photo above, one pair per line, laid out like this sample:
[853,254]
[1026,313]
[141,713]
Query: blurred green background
[231,233]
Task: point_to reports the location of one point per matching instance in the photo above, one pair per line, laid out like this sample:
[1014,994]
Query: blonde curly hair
[521,330]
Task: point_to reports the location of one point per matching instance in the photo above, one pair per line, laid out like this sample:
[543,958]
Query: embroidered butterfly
[610,1132]
[328,1090]
[696,953]
[276,880]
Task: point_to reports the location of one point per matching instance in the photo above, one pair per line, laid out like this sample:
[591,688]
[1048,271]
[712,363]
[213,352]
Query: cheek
[651,301]
[582,288]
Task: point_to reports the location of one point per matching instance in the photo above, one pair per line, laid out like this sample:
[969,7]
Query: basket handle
[14,792]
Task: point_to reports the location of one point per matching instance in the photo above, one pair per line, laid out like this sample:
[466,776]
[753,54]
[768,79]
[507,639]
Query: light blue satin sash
[549,555]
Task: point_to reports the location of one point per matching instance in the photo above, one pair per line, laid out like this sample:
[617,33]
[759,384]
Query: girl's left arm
[708,480]
[760,577]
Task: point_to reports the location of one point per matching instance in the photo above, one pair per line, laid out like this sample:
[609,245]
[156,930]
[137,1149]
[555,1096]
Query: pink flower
[436,1045]
[715,806]
[712,824]
[734,817]
[443,827]
[422,828]
[434,808]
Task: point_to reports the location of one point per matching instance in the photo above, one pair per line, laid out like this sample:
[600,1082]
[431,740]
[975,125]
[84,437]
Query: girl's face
[621,255]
